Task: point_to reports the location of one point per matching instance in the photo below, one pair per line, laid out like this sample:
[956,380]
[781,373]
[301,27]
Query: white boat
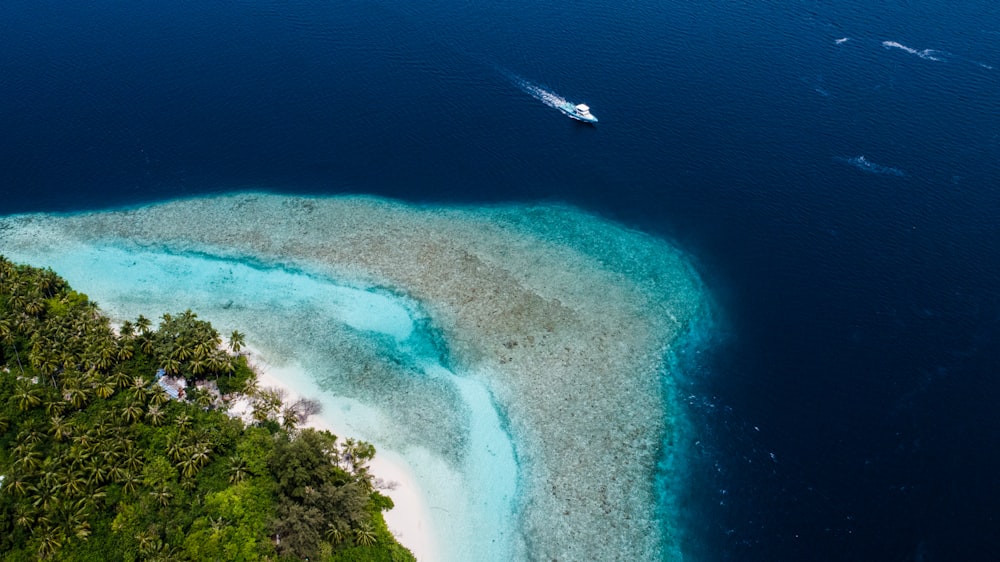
[580,112]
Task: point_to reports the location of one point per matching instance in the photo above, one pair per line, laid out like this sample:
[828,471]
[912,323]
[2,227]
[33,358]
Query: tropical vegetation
[100,461]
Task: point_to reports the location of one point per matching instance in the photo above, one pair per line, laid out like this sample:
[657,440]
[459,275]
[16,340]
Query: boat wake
[934,54]
[869,167]
[541,94]
[927,54]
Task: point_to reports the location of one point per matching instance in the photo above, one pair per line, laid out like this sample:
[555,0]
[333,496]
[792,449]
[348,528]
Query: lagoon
[513,359]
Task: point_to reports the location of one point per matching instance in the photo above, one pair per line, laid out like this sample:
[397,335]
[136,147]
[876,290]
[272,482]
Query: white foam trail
[541,94]
[934,54]
[842,40]
[867,166]
[927,54]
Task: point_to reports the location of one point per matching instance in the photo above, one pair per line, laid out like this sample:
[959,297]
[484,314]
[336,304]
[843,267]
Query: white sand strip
[410,519]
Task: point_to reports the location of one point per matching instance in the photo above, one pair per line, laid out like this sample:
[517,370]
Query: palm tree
[124,352]
[132,413]
[78,524]
[162,495]
[45,360]
[133,460]
[146,343]
[203,349]
[147,542]
[188,485]
[69,359]
[251,386]
[104,389]
[77,457]
[155,415]
[17,300]
[50,283]
[8,332]
[34,305]
[220,362]
[26,396]
[198,365]
[59,427]
[334,534]
[217,523]
[354,456]
[172,365]
[364,535]
[73,482]
[205,399]
[54,406]
[120,379]
[131,482]
[236,341]
[51,541]
[18,485]
[183,421]
[182,350]
[267,404]
[99,473]
[138,389]
[158,396]
[117,473]
[6,327]
[107,357]
[7,271]
[142,323]
[84,440]
[289,419]
[30,460]
[238,470]
[29,437]
[201,453]
[175,450]
[189,467]
[23,518]
[162,552]
[78,396]
[45,497]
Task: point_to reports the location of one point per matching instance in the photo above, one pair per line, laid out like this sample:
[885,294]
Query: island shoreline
[410,520]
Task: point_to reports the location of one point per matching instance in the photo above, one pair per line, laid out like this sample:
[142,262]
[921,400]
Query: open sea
[833,169]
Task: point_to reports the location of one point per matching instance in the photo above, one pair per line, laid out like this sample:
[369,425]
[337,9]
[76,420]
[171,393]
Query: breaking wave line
[869,167]
[927,54]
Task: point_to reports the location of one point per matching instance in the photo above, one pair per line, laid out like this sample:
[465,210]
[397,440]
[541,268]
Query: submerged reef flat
[559,320]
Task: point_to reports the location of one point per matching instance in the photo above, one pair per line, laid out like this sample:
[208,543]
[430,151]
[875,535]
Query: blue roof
[169,389]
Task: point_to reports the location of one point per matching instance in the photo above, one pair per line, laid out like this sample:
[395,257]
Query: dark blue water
[861,344]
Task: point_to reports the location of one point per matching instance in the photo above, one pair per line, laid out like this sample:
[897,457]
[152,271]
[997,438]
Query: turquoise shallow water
[514,358]
[300,318]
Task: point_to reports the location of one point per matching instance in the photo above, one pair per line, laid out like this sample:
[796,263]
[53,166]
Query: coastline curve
[561,318]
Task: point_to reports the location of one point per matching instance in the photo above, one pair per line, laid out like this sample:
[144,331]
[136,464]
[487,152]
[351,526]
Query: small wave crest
[927,54]
[869,167]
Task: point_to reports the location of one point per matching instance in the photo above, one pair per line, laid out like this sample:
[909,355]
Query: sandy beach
[409,520]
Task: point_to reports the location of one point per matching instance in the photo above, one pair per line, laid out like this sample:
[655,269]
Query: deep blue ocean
[833,169]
